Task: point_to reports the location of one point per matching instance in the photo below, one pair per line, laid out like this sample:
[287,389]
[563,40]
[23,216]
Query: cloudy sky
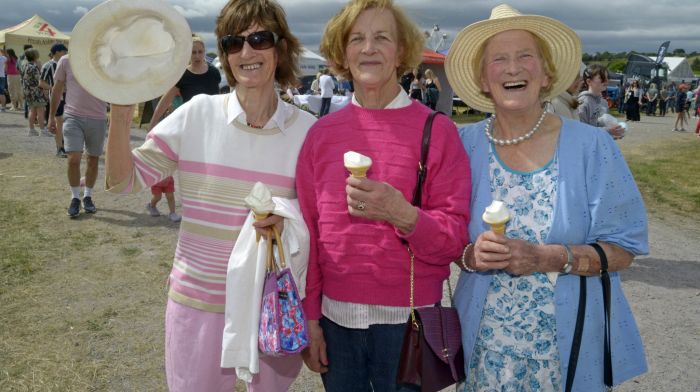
[615,26]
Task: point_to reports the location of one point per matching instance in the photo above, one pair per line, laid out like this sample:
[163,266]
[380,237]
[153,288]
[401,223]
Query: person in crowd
[681,103]
[406,80]
[592,105]
[199,77]
[84,128]
[3,79]
[20,67]
[663,100]
[621,98]
[432,89]
[565,104]
[652,96]
[417,85]
[167,187]
[517,296]
[34,95]
[326,84]
[358,277]
[14,83]
[47,81]
[220,145]
[633,100]
[315,88]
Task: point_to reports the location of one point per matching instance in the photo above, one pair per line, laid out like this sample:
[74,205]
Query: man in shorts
[47,82]
[84,126]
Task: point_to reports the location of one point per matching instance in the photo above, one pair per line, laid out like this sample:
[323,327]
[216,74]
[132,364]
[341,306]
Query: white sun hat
[130,51]
[564,45]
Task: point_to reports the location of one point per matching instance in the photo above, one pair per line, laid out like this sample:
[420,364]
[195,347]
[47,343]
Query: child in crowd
[166,186]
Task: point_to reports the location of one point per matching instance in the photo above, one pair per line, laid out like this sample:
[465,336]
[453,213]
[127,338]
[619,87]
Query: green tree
[679,52]
[617,65]
[695,65]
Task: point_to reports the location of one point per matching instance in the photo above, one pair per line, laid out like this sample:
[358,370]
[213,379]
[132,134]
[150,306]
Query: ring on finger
[361,205]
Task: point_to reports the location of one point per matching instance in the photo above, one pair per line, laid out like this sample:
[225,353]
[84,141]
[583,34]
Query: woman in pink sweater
[358,278]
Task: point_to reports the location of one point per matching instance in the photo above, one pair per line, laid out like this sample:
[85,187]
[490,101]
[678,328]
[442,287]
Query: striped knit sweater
[363,261]
[218,158]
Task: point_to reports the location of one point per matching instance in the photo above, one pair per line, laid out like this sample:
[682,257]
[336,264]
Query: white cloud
[80,10]
[189,12]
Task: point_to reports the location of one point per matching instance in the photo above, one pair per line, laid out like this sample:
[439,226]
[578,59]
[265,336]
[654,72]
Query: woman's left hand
[264,226]
[380,201]
[523,257]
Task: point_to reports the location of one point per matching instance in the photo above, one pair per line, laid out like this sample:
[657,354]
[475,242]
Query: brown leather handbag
[432,357]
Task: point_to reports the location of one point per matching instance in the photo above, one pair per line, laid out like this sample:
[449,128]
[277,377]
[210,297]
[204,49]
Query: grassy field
[668,175]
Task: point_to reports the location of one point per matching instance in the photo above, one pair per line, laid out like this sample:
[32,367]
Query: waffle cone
[259,217]
[358,171]
[499,228]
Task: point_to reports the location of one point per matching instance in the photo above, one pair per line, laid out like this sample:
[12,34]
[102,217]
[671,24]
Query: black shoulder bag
[578,331]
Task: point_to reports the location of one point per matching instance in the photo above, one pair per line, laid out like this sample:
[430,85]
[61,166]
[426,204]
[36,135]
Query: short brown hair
[591,72]
[31,54]
[335,37]
[544,52]
[239,15]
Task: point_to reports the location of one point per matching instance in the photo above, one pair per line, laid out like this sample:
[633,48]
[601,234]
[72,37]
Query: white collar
[235,111]
[401,100]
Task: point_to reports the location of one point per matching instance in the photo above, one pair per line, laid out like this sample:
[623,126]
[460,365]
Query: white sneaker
[45,132]
[32,132]
[152,211]
[174,217]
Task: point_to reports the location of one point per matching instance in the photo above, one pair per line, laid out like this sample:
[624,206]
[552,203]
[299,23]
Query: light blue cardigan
[597,200]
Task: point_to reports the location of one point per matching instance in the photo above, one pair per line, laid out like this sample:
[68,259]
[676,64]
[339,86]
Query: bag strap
[417,195]
[271,242]
[578,332]
[605,278]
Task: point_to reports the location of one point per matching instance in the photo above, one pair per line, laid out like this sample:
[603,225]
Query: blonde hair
[335,36]
[544,52]
[239,15]
[429,74]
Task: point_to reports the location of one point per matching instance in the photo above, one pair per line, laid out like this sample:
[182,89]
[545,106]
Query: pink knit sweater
[363,261]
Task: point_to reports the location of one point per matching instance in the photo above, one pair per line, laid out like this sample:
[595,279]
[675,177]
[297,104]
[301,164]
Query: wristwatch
[569,260]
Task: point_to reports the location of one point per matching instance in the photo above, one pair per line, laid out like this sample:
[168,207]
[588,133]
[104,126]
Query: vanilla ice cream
[356,163]
[496,215]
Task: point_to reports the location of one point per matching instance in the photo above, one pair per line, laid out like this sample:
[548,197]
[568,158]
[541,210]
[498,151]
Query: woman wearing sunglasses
[219,146]
[359,275]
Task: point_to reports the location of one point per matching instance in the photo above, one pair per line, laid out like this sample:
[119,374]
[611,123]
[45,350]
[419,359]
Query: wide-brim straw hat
[564,45]
[130,51]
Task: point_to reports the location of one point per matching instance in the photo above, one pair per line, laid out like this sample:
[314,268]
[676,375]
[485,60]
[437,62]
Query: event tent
[35,31]
[310,63]
[436,62]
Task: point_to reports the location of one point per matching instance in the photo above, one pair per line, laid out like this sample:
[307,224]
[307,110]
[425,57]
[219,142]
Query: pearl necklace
[488,129]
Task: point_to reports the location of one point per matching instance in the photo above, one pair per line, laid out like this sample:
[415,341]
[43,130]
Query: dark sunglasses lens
[232,44]
[261,40]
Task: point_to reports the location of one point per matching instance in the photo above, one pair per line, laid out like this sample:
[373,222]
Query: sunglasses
[260,40]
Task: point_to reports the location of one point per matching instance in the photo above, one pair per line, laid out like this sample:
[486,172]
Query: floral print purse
[283,329]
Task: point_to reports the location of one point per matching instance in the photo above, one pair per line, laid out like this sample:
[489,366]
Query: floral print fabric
[33,94]
[282,324]
[516,348]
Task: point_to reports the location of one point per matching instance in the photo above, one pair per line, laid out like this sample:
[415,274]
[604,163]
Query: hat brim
[564,45]
[141,75]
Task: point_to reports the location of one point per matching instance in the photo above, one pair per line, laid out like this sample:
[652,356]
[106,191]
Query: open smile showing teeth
[514,85]
[251,67]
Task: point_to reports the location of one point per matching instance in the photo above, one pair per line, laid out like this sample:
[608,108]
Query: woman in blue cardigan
[566,185]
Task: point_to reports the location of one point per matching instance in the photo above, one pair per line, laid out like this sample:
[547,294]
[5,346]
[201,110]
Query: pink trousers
[193,356]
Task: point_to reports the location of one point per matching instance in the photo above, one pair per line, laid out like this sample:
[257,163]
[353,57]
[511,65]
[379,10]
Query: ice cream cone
[358,171]
[496,215]
[259,217]
[499,228]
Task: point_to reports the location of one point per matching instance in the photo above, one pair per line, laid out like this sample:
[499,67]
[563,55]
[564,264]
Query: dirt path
[100,309]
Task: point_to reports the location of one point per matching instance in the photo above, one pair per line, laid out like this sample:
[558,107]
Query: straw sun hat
[130,51]
[564,45]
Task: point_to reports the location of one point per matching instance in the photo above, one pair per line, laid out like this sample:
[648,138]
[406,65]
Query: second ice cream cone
[359,172]
[499,228]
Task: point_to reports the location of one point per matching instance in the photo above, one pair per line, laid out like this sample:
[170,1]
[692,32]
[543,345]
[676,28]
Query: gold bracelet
[462,262]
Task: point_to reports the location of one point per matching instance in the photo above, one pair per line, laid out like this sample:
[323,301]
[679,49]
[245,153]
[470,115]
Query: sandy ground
[663,287]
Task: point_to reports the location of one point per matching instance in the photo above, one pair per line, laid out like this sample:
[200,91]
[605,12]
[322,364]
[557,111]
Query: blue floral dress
[516,347]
